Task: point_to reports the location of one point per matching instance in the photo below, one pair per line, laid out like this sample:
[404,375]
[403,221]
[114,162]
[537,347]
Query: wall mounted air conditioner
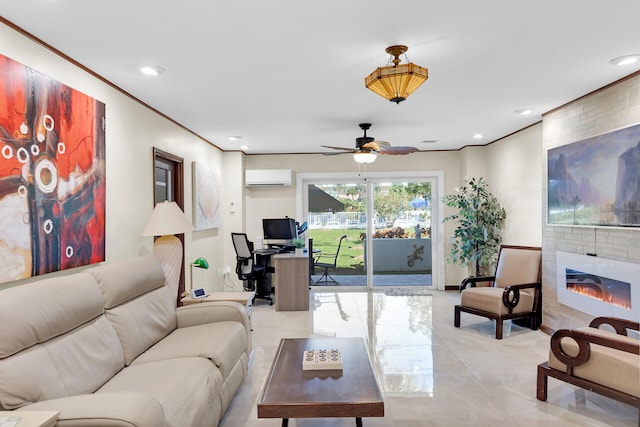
[264,177]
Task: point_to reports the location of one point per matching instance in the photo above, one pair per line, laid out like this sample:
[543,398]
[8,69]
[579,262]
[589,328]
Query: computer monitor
[282,230]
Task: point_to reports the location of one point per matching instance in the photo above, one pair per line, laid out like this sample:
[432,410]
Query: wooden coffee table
[290,392]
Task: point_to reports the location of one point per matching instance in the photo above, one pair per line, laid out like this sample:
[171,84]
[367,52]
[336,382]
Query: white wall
[132,130]
[614,107]
[471,161]
[514,173]
[233,211]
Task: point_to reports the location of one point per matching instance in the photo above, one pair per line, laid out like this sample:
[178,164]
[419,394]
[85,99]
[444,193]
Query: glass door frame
[303,180]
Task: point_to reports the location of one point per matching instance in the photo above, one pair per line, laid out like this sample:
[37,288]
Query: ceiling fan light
[365,157]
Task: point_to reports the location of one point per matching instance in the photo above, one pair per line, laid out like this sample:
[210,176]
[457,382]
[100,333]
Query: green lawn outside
[351,257]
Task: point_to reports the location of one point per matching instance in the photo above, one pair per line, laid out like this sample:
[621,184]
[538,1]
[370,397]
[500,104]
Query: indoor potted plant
[299,245]
[479,219]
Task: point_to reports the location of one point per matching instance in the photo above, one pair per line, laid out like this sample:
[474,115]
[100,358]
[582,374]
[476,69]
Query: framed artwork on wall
[596,181]
[52,174]
[206,197]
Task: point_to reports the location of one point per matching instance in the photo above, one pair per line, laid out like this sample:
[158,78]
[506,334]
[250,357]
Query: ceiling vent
[266,177]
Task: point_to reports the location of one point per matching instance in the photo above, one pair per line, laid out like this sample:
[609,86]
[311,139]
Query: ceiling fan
[367,148]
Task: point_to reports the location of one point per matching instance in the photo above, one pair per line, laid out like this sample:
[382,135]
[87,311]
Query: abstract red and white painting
[52,174]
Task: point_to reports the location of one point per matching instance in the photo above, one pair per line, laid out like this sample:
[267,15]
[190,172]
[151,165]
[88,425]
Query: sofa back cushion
[518,265]
[606,366]
[36,312]
[56,341]
[137,302]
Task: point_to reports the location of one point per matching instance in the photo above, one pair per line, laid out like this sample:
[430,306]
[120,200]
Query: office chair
[247,270]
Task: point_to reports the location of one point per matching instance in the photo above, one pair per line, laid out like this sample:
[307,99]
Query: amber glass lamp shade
[396,82]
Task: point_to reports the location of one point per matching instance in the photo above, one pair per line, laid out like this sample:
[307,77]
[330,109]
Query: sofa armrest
[620,325]
[210,312]
[473,281]
[584,340]
[214,311]
[122,409]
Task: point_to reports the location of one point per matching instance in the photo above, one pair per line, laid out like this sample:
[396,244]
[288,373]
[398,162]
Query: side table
[244,298]
[32,418]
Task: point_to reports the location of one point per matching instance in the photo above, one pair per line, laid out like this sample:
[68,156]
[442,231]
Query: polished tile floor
[431,373]
[379,280]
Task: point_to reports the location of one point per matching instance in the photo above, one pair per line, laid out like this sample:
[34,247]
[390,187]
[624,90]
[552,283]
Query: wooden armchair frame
[584,341]
[510,298]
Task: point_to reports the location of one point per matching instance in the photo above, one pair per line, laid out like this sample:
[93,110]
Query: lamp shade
[201,263]
[365,157]
[396,83]
[166,219]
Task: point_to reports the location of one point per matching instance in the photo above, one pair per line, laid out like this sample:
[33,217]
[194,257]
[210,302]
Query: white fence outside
[350,220]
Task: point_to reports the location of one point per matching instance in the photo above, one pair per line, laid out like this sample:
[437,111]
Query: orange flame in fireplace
[596,294]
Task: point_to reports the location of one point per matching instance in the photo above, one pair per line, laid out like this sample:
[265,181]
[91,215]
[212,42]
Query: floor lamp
[167,220]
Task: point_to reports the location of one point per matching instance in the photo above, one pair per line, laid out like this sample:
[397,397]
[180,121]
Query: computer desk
[263,256]
[292,277]
[264,286]
[291,281]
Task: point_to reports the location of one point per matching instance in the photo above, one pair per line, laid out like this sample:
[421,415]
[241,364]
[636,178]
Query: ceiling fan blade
[376,145]
[399,150]
[335,153]
[339,148]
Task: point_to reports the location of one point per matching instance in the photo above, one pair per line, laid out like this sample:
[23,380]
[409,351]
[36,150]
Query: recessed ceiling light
[429,141]
[523,111]
[625,60]
[235,138]
[477,136]
[151,70]
[244,147]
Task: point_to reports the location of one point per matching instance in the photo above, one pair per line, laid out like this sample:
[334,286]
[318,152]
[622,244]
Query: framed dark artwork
[596,181]
[52,174]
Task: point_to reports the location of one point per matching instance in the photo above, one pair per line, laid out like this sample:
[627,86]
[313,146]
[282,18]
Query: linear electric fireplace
[598,286]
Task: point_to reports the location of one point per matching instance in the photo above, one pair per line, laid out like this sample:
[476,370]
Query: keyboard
[277,250]
[272,251]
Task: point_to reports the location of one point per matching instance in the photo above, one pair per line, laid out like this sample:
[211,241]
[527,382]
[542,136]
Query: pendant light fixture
[396,82]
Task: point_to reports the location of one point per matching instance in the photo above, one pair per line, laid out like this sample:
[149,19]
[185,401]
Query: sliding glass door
[337,224]
[401,233]
[374,232]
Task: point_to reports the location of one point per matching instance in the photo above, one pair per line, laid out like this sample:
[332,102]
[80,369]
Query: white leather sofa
[107,347]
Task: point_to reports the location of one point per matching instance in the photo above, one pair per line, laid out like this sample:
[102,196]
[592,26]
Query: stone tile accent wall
[613,107]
